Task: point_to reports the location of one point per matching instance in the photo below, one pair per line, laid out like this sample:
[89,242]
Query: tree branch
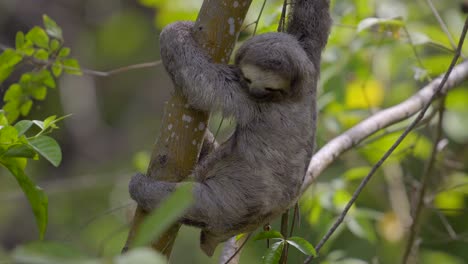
[423,99]
[383,119]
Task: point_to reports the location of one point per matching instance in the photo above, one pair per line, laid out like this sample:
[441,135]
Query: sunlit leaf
[357,173]
[141,161]
[49,121]
[41,54]
[437,64]
[13,93]
[341,198]
[8,135]
[3,119]
[453,202]
[39,37]
[39,93]
[19,40]
[54,45]
[8,60]
[64,52]
[57,69]
[364,94]
[71,66]
[11,111]
[26,107]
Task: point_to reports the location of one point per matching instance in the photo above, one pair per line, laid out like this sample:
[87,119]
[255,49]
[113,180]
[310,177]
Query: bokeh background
[115,120]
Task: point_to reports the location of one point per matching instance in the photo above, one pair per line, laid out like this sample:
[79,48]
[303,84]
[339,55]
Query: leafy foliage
[273,254]
[44,48]
[51,58]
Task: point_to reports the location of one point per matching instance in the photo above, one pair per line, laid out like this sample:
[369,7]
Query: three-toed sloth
[271,92]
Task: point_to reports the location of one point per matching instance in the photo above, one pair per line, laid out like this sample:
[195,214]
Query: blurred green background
[115,120]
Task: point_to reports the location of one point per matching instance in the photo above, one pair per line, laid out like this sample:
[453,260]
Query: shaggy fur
[257,173]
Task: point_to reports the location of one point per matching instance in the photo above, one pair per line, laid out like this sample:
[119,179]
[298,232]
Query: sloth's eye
[271,89]
[248,80]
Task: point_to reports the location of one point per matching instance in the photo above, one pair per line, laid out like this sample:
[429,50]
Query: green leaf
[11,111]
[268,235]
[71,66]
[357,173]
[39,37]
[49,121]
[41,54]
[26,107]
[273,254]
[3,119]
[64,52]
[19,41]
[57,69]
[29,51]
[13,93]
[47,79]
[36,196]
[8,59]
[8,135]
[167,213]
[23,126]
[48,148]
[54,45]
[39,93]
[302,245]
[52,28]
[20,151]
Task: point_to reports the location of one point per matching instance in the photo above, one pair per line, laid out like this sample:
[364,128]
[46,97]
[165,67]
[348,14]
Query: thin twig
[282,22]
[393,147]
[284,232]
[119,70]
[137,66]
[442,24]
[415,225]
[258,18]
[448,227]
[413,47]
[295,215]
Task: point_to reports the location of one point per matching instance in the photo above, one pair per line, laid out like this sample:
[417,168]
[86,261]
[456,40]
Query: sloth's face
[264,84]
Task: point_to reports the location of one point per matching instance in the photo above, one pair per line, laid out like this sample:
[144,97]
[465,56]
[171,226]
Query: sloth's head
[274,66]
[264,83]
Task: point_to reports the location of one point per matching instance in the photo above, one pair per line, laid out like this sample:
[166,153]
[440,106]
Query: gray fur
[257,173]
